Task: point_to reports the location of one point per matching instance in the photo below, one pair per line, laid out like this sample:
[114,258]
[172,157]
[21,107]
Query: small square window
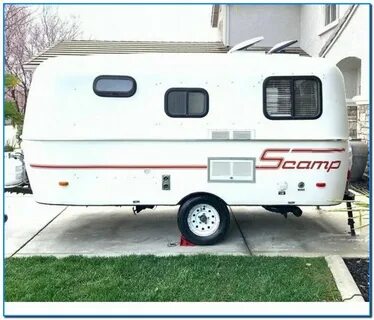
[196,103]
[186,102]
[177,105]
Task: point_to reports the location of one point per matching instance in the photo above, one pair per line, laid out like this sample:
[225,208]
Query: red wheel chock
[185,243]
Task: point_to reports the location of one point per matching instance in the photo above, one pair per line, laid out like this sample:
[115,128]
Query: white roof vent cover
[245,44]
[281,45]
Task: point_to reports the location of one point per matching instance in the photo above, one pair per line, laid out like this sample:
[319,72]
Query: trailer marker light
[63,183]
[320,184]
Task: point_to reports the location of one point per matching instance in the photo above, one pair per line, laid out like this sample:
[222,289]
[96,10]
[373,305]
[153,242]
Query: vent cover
[242,168]
[220,135]
[231,169]
[221,169]
[242,135]
[232,134]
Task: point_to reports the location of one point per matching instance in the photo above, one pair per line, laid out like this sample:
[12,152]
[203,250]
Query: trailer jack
[284,210]
[137,209]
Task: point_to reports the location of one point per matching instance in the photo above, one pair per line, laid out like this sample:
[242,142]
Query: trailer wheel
[203,220]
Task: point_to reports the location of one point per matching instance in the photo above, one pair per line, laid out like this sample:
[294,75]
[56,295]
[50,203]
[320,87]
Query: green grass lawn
[176,278]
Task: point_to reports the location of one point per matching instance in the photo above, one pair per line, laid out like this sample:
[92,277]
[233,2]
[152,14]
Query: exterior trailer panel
[200,130]
[130,172]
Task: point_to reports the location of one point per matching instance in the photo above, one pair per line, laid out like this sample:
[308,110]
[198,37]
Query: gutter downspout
[331,42]
[227,25]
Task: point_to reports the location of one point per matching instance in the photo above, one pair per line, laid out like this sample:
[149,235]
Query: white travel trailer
[203,131]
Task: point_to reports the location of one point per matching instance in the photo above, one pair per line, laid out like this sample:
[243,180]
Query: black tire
[224,217]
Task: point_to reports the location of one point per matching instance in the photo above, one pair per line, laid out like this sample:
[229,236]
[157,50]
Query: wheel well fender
[199,194]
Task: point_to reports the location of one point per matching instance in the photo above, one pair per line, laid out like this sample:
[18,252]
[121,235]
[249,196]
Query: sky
[143,22]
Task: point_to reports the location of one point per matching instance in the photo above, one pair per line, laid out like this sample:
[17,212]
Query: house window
[292,98]
[114,86]
[331,13]
[186,102]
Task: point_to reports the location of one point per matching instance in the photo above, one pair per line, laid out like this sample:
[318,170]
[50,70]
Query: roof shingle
[88,47]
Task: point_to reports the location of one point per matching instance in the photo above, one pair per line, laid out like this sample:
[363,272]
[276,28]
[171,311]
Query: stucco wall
[354,42]
[351,72]
[249,21]
[363,122]
[313,32]
[222,23]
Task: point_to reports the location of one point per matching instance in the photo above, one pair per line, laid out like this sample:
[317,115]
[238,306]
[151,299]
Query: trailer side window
[186,102]
[292,98]
[114,86]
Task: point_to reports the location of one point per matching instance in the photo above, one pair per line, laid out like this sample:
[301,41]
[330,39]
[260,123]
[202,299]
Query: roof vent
[245,44]
[281,45]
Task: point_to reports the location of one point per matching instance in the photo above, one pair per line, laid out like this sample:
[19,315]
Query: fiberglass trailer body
[203,131]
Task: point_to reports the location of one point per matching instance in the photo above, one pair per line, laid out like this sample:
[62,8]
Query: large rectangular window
[292,98]
[186,102]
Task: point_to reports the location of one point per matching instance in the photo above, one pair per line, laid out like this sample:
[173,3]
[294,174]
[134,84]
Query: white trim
[360,100]
[350,102]
[336,37]
[328,27]
[227,31]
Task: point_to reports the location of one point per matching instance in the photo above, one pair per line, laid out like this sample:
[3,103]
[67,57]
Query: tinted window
[196,103]
[278,98]
[186,102]
[176,103]
[306,98]
[292,98]
[114,86]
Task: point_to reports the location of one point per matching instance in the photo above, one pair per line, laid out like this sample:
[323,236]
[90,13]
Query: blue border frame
[370,144]
[201,316]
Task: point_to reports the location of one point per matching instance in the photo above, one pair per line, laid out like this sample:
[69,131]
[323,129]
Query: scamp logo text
[274,159]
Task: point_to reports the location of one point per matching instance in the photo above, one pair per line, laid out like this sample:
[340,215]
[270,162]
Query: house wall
[353,42]
[313,32]
[249,21]
[222,23]
[351,75]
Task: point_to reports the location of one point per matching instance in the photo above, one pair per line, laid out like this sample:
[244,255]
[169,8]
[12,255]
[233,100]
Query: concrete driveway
[34,229]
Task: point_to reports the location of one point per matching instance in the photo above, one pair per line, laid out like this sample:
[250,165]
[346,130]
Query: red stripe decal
[318,150]
[42,166]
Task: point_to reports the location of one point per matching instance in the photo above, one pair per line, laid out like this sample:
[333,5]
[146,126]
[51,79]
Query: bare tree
[17,21]
[50,29]
[29,30]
